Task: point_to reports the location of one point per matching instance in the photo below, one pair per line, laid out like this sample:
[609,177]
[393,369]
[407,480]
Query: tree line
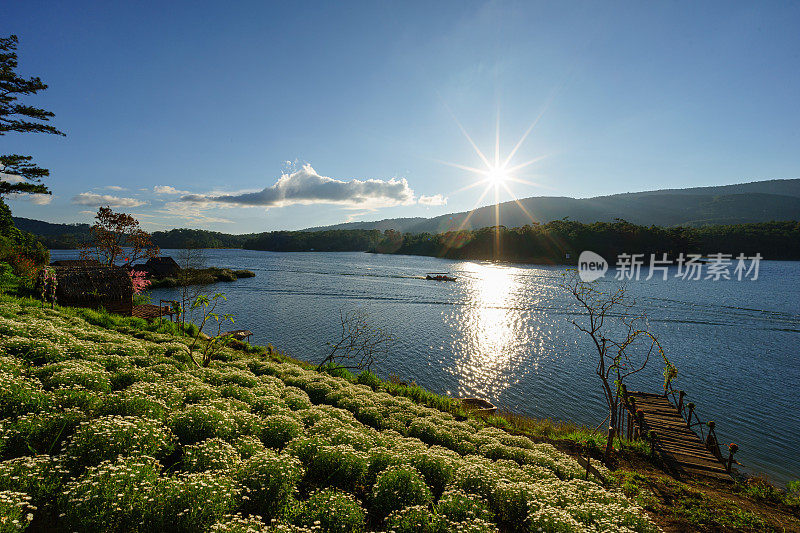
[560,241]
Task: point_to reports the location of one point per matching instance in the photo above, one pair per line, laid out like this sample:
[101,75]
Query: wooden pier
[682,450]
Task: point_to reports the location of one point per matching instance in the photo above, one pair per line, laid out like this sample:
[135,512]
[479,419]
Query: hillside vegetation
[106,425]
[552,242]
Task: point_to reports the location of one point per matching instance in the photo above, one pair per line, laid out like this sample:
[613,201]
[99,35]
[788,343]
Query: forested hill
[561,241]
[760,201]
[67,236]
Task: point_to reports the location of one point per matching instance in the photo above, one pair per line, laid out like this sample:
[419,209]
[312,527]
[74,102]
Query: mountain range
[759,201]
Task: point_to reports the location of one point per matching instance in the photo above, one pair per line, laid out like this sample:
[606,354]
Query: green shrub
[369,379]
[338,466]
[41,432]
[211,454]
[296,399]
[332,511]
[317,390]
[16,512]
[133,403]
[239,524]
[278,430]
[112,496]
[106,437]
[459,506]
[40,477]
[793,492]
[436,470]
[268,482]
[80,375]
[248,446]
[193,502]
[78,398]
[200,392]
[306,448]
[19,396]
[510,503]
[199,422]
[414,519]
[243,394]
[398,487]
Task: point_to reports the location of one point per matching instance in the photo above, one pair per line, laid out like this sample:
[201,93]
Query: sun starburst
[496,173]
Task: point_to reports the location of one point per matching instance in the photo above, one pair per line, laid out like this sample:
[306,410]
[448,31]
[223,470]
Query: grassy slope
[114,429]
[264,436]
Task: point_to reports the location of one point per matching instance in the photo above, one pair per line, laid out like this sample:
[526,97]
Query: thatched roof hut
[94,287]
[76,263]
[159,267]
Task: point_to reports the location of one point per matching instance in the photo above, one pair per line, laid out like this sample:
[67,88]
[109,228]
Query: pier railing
[633,418]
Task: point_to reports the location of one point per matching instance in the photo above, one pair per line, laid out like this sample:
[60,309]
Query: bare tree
[620,335]
[211,347]
[189,259]
[360,341]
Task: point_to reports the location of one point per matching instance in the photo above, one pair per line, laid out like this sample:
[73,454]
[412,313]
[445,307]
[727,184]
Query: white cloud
[306,186]
[192,212]
[35,199]
[90,198]
[166,189]
[11,178]
[115,188]
[436,199]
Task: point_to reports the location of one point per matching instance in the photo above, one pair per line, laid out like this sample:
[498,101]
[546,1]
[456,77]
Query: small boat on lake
[439,276]
[479,406]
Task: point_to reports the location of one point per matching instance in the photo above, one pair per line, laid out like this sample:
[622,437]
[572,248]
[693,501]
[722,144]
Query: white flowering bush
[211,454]
[16,512]
[201,422]
[41,432]
[39,477]
[193,502]
[109,436]
[106,426]
[458,506]
[248,446]
[278,430]
[331,511]
[398,487]
[20,395]
[115,495]
[268,482]
[414,519]
[340,466]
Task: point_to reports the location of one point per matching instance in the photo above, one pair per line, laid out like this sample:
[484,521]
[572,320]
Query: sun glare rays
[496,174]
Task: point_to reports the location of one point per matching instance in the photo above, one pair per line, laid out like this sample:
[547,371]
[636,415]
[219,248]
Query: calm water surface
[503,332]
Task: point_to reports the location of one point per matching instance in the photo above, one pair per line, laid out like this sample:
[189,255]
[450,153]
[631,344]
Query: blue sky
[219,100]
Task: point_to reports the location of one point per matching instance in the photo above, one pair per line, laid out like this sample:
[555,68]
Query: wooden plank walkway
[680,447]
[151,311]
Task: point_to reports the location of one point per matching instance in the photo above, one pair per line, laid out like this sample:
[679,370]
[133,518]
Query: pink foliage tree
[139,280]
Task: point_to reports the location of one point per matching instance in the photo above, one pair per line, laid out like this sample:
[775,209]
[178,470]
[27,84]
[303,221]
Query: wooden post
[640,423]
[680,402]
[630,426]
[690,406]
[732,449]
[610,445]
[651,435]
[588,461]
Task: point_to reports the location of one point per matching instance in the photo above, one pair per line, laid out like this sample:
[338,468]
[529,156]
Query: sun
[497,175]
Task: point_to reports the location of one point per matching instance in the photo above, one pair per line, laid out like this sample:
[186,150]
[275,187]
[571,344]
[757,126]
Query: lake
[503,332]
